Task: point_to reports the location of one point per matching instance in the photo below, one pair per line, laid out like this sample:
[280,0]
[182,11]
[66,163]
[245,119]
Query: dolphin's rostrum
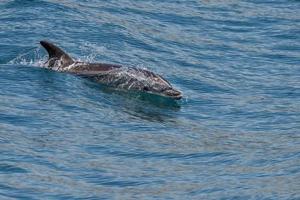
[128,78]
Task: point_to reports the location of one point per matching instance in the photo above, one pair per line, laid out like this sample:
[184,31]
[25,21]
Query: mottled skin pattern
[128,78]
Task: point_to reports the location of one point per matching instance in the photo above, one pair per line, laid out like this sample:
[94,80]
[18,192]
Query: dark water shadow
[138,104]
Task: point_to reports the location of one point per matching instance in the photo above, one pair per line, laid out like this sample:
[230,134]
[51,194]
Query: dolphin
[127,78]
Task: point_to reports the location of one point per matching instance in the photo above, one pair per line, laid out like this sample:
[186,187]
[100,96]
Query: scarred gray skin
[128,78]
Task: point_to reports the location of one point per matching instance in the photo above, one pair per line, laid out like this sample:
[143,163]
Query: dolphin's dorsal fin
[56,53]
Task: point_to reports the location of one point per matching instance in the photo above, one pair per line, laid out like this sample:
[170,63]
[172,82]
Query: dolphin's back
[81,68]
[113,75]
[116,75]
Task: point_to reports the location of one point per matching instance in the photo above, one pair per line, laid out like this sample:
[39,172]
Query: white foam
[33,57]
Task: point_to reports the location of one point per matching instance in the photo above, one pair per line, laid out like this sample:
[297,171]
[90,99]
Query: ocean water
[234,135]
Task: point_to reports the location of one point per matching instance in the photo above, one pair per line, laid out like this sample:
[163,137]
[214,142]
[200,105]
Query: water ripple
[235,134]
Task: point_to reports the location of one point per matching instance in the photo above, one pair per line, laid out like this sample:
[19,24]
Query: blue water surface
[234,135]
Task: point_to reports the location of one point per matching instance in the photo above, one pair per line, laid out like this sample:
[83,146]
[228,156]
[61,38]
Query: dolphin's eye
[146,88]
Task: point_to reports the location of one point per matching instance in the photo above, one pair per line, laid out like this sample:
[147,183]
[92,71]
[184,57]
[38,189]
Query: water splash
[33,57]
[92,51]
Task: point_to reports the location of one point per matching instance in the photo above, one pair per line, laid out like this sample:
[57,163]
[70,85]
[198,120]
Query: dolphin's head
[172,93]
[162,87]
